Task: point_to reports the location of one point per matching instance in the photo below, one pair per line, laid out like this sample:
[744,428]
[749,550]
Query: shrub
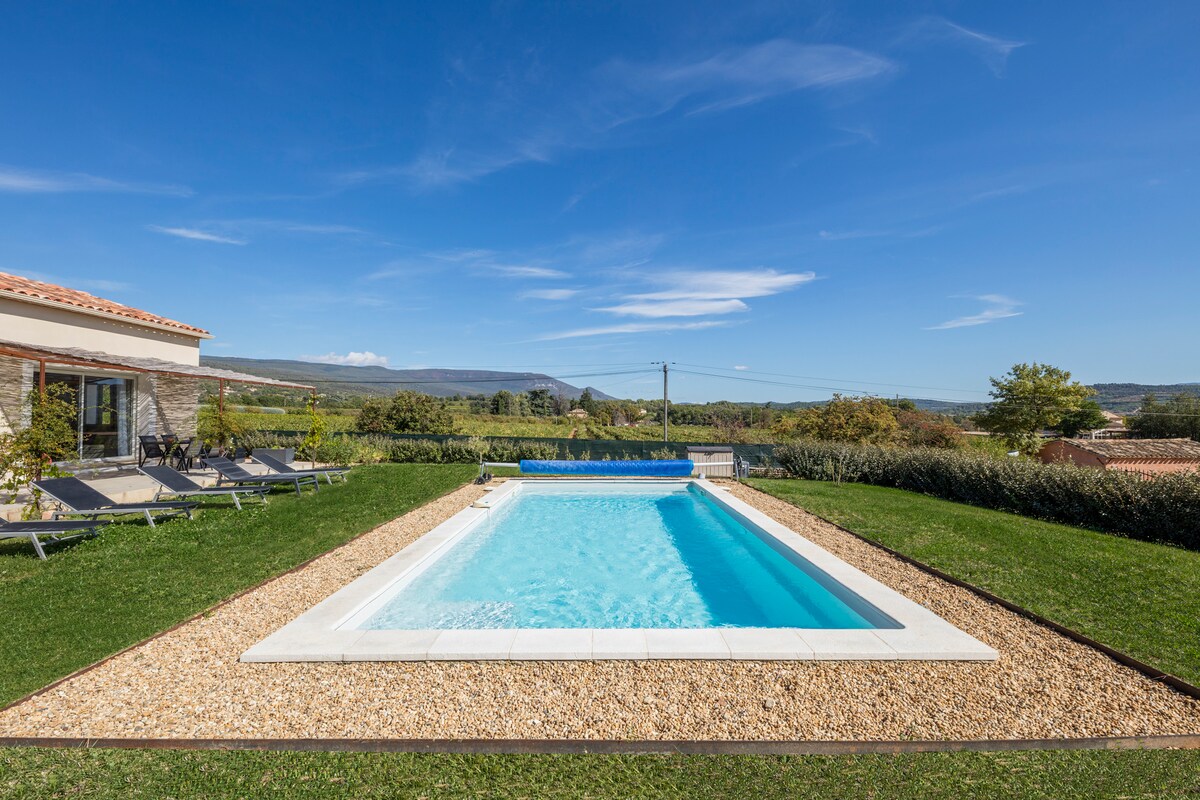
[1163,509]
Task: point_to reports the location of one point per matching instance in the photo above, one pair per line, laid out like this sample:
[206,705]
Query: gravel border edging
[1155,674]
[619,746]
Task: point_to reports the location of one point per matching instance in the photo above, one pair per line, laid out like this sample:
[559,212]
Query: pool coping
[320,634]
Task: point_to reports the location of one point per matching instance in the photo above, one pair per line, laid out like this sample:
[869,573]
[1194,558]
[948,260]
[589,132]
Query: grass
[47,774]
[93,598]
[1139,597]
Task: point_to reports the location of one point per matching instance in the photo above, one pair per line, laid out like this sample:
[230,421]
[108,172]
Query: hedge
[1162,509]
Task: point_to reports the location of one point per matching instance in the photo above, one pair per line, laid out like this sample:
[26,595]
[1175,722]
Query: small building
[1114,429]
[130,372]
[720,455]
[577,413]
[1142,456]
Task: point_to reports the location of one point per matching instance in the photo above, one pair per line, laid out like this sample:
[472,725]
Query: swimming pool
[570,569]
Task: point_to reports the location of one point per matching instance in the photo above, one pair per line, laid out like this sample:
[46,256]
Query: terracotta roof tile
[73,297]
[1176,449]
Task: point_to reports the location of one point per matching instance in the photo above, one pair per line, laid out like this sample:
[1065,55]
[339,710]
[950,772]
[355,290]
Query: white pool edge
[321,633]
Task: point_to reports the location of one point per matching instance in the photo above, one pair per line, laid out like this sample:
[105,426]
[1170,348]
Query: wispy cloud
[23,181]
[197,235]
[633,327]
[997,307]
[737,76]
[550,294]
[992,50]
[537,123]
[531,272]
[351,359]
[725,284]
[740,367]
[676,308]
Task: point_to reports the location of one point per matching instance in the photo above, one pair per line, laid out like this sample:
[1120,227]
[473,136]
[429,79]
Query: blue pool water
[619,556]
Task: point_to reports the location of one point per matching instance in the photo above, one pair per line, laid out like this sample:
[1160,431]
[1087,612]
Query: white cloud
[531,272]
[676,308]
[633,327]
[550,294]
[992,50]
[741,76]
[40,182]
[494,122]
[351,359]
[726,284]
[198,235]
[740,367]
[997,307]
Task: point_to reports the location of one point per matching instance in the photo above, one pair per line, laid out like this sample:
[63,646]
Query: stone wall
[16,382]
[176,403]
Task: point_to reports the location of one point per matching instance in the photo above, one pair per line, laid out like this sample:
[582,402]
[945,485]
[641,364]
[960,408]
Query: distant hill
[384,381]
[1125,397]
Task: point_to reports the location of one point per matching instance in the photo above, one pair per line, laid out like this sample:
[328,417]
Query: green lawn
[46,774]
[90,599]
[96,597]
[1141,598]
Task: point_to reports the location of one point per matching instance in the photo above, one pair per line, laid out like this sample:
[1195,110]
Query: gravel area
[189,682]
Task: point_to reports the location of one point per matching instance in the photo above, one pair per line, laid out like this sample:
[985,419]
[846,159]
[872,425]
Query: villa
[133,373]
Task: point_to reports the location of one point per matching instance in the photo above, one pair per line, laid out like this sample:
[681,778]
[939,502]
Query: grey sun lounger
[59,530]
[237,475]
[176,484]
[275,465]
[79,499]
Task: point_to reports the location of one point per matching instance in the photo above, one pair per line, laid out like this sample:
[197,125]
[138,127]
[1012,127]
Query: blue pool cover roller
[676,468]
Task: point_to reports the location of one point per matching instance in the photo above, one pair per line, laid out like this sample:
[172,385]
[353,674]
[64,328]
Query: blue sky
[899,198]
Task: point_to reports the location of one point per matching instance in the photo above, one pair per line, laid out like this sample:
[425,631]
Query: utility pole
[666,406]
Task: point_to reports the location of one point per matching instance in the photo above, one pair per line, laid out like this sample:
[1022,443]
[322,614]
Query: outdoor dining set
[171,450]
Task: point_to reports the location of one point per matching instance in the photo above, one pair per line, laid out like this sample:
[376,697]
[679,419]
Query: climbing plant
[29,454]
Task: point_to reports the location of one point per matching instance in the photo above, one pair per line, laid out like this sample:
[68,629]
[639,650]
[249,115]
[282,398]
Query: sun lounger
[275,465]
[237,475]
[176,484]
[79,499]
[59,530]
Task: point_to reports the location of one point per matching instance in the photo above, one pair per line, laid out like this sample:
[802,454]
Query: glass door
[105,413]
[105,428]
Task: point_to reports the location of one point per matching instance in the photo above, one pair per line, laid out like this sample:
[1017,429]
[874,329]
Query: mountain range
[340,379]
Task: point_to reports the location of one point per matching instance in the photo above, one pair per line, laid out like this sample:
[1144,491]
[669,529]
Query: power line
[839,380]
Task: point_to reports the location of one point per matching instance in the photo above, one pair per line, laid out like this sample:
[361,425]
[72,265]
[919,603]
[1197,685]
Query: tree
[1028,399]
[406,412]
[1176,418]
[316,431]
[541,404]
[1088,417]
[587,402]
[413,412]
[846,419]
[373,416]
[925,429]
[502,403]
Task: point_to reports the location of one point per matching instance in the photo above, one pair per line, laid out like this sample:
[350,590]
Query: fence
[753,454]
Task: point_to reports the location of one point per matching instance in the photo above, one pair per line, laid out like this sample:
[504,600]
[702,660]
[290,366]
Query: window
[105,422]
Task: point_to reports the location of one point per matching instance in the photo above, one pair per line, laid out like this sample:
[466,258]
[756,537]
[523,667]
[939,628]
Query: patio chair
[236,475]
[275,465]
[176,484]
[79,499]
[150,448]
[185,454]
[54,529]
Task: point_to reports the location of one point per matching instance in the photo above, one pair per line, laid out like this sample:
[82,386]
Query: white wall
[35,325]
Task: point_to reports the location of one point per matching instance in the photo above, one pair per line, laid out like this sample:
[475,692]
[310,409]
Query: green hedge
[1164,509]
